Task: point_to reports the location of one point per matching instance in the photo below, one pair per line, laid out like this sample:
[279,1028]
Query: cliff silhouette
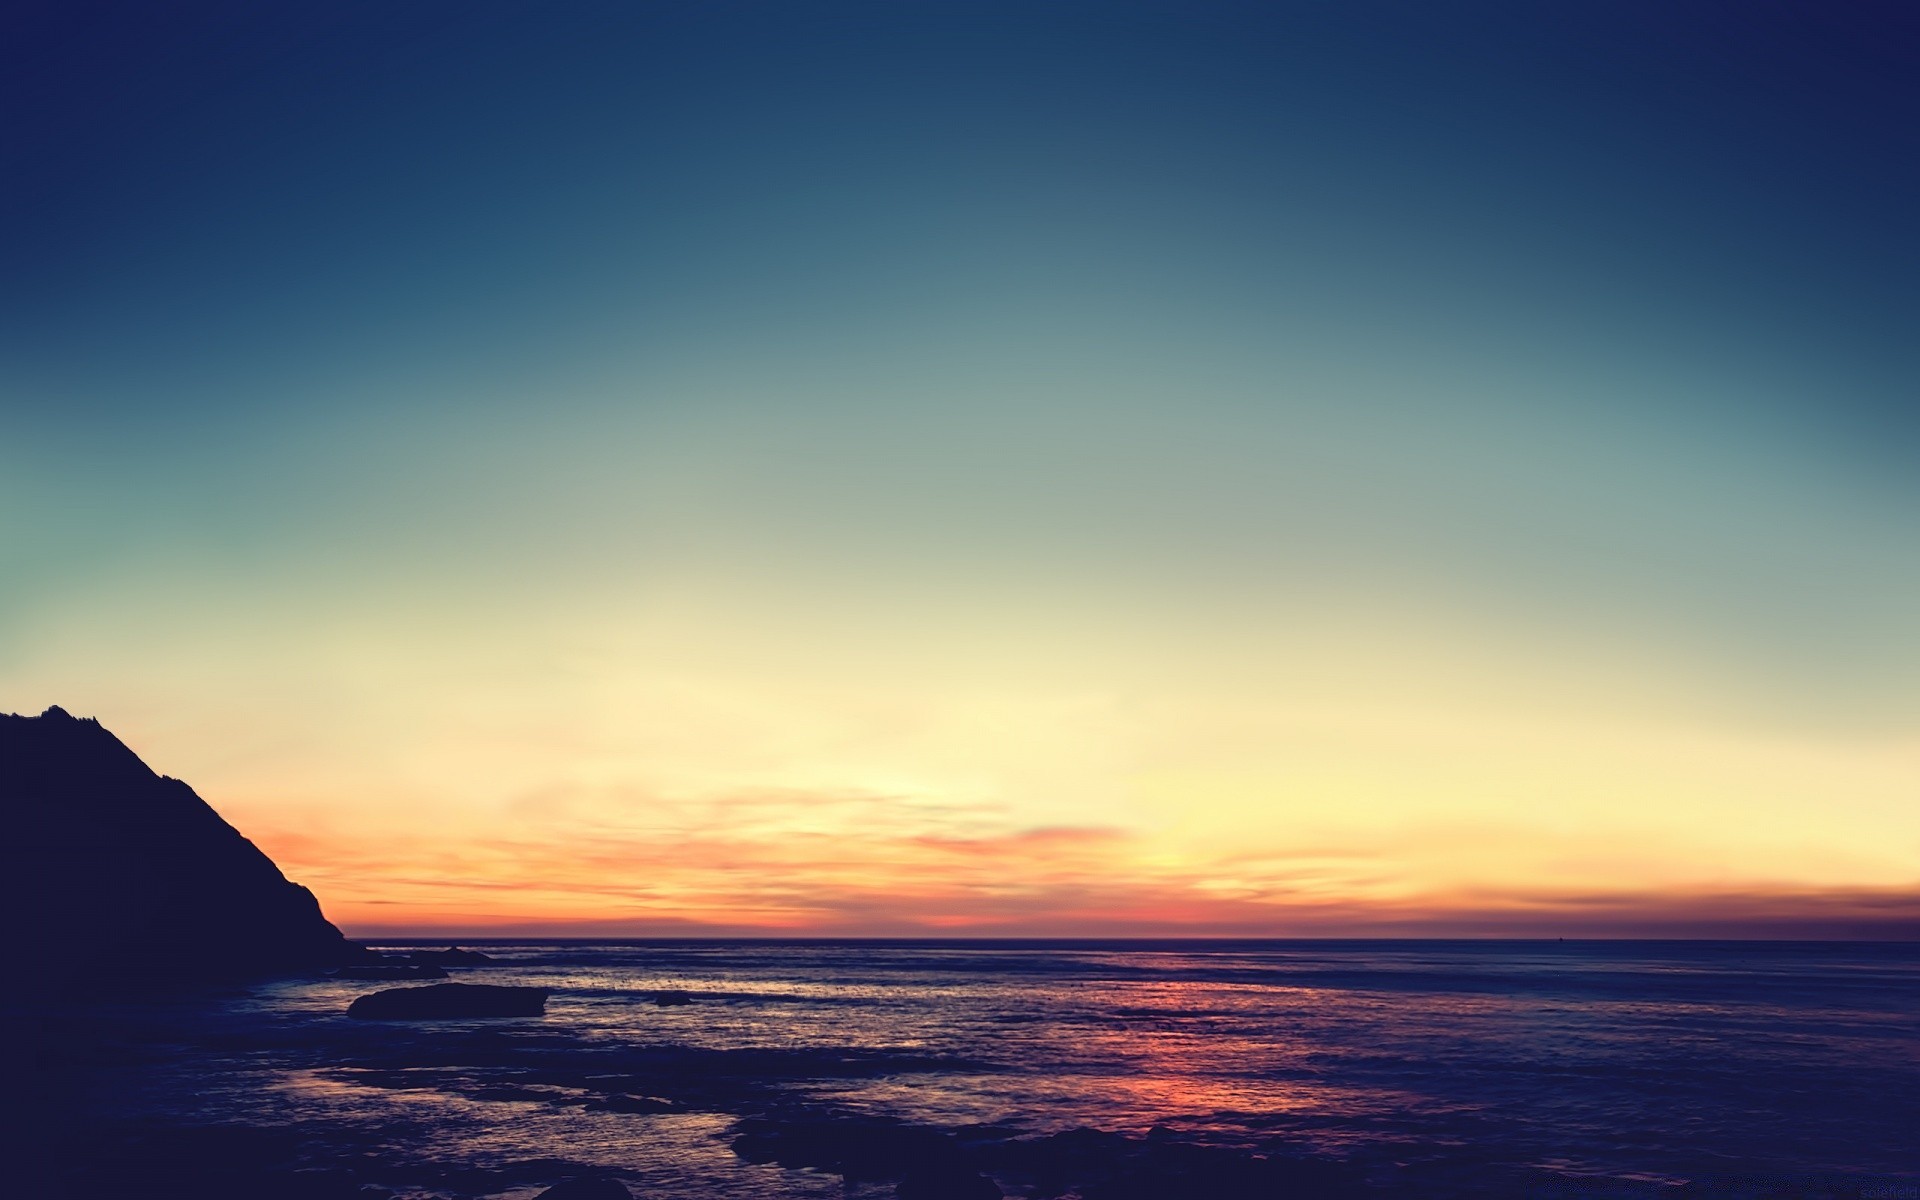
[112,872]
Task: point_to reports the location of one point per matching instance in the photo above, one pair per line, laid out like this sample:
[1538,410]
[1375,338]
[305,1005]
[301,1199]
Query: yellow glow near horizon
[659,768]
[885,477]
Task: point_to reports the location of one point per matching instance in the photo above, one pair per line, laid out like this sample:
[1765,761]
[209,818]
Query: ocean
[1093,1069]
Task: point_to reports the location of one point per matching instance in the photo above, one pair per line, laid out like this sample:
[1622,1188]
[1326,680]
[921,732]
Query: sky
[1066,469]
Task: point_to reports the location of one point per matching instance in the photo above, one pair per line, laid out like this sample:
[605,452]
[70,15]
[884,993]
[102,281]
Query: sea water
[1425,1067]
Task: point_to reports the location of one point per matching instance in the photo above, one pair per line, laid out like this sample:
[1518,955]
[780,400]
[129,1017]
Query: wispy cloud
[849,863]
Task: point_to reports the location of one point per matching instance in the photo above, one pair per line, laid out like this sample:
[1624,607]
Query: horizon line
[385,937]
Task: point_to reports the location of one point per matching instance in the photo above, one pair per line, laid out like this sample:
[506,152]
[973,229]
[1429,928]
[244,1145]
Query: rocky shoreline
[528,1070]
[162,919]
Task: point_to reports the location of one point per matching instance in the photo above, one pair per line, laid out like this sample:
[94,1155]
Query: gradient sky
[984,468]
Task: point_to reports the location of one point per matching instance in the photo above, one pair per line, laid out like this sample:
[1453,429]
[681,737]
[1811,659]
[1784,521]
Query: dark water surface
[1415,1068]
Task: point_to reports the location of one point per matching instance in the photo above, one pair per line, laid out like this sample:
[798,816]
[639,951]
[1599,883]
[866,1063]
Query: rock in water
[953,1183]
[452,956]
[446,1000]
[114,872]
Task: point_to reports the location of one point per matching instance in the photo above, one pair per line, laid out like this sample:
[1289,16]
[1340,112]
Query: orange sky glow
[958,488]
[657,772]
[686,768]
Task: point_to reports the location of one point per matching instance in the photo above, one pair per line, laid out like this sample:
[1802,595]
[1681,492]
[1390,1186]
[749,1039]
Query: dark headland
[117,875]
[135,909]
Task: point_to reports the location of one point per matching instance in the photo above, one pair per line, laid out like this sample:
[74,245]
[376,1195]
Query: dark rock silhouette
[446,1000]
[587,1189]
[1108,1166]
[391,971]
[936,1164]
[186,1162]
[947,1183]
[859,1148]
[452,956]
[112,872]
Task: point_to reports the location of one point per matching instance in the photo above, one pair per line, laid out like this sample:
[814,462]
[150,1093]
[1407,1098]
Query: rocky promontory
[114,873]
[450,1000]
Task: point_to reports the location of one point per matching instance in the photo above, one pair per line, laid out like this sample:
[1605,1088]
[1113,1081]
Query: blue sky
[868,386]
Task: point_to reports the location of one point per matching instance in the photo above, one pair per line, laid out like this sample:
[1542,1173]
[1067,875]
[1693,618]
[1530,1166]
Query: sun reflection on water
[1572,1065]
